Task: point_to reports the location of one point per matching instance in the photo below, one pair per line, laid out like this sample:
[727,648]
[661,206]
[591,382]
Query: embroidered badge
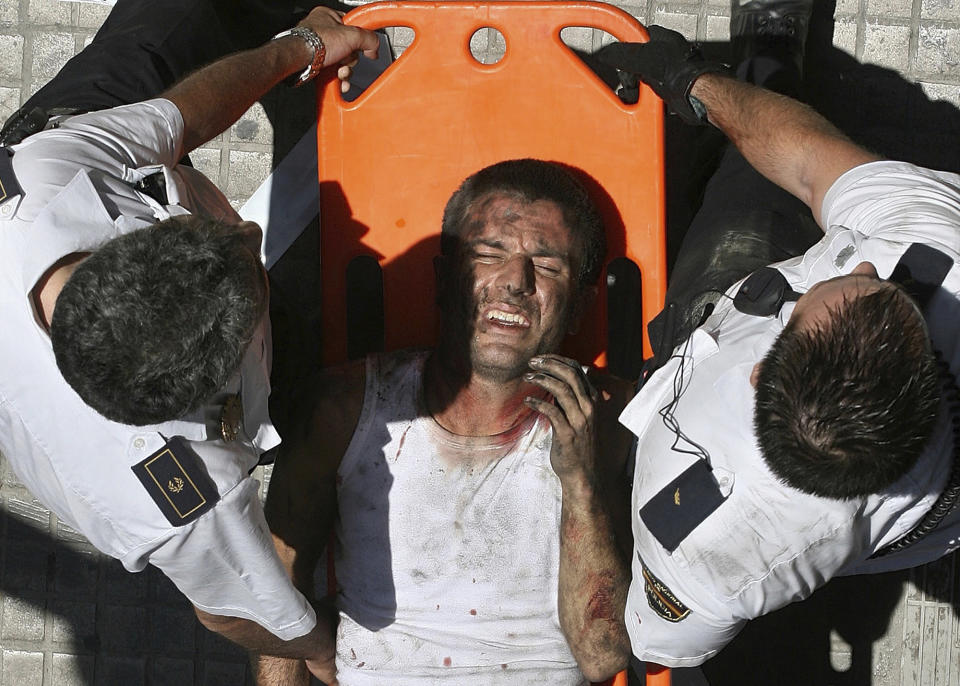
[661,599]
[843,256]
[177,480]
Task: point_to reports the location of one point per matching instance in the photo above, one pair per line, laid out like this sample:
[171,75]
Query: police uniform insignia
[921,271]
[682,505]
[661,599]
[177,480]
[843,256]
[9,187]
[231,418]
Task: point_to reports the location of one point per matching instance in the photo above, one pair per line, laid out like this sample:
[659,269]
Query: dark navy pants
[745,222]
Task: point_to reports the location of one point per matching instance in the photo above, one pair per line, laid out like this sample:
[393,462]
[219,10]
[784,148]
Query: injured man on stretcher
[475,490]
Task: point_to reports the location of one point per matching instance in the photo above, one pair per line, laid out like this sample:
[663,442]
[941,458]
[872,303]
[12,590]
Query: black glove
[668,64]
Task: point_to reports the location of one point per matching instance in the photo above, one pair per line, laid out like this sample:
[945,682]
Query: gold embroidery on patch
[203,500]
[676,497]
[175,484]
[662,600]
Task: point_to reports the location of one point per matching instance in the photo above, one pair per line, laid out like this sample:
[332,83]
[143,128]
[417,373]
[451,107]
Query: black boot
[768,37]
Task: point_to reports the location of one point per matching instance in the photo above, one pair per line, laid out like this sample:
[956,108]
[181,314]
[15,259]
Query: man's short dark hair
[150,325]
[843,410]
[533,180]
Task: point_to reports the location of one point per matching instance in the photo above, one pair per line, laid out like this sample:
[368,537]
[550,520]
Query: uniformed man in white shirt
[799,425]
[136,348]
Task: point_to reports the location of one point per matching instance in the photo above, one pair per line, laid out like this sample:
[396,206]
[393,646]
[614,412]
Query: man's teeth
[506,317]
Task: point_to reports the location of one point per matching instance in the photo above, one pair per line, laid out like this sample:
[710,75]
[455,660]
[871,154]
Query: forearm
[783,139]
[278,671]
[317,644]
[214,97]
[593,582]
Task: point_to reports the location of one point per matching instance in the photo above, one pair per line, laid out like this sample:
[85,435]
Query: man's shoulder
[338,392]
[109,141]
[331,402]
[136,122]
[390,366]
[896,200]
[772,537]
[127,120]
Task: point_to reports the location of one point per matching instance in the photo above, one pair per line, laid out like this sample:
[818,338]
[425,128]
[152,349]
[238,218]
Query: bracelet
[319,53]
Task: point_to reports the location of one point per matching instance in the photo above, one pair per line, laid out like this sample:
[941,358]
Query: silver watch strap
[319,51]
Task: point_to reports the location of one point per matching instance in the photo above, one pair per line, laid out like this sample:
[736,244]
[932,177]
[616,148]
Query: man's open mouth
[503,318]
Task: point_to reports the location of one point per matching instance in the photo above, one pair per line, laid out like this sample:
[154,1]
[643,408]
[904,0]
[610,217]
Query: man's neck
[468,404]
[48,287]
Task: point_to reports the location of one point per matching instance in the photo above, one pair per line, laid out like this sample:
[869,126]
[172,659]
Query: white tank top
[447,547]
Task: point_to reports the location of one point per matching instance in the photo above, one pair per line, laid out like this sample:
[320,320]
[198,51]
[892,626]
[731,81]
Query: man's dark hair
[532,180]
[843,410]
[154,322]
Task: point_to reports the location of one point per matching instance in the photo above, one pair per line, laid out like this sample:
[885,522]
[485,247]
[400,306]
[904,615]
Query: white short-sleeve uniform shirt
[768,544]
[76,192]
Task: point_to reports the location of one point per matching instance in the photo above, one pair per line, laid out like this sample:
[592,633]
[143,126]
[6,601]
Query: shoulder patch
[177,480]
[661,599]
[921,271]
[682,505]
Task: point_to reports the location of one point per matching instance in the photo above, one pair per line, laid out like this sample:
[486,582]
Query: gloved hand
[668,64]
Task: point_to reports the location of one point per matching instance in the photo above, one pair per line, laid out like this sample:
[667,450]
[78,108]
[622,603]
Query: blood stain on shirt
[403,438]
[447,662]
[473,612]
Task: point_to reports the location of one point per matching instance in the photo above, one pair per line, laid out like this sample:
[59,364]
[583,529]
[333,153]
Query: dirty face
[517,282]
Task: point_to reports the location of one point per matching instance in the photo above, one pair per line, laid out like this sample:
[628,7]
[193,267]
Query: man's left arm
[211,562]
[214,97]
[587,455]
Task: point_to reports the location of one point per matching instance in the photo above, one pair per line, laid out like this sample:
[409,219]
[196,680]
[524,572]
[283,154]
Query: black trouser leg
[745,222]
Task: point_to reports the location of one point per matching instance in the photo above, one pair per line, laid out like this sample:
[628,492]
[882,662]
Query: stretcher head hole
[487,45]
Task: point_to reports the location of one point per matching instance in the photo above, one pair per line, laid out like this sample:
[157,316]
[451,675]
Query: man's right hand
[342,42]
[324,670]
[214,97]
[667,63]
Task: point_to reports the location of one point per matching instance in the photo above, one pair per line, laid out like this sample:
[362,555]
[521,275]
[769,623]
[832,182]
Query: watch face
[699,108]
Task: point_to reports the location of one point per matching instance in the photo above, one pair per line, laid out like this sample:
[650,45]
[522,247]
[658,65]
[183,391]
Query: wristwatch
[319,53]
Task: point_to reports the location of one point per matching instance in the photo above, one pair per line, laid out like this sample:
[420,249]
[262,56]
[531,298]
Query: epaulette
[177,480]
